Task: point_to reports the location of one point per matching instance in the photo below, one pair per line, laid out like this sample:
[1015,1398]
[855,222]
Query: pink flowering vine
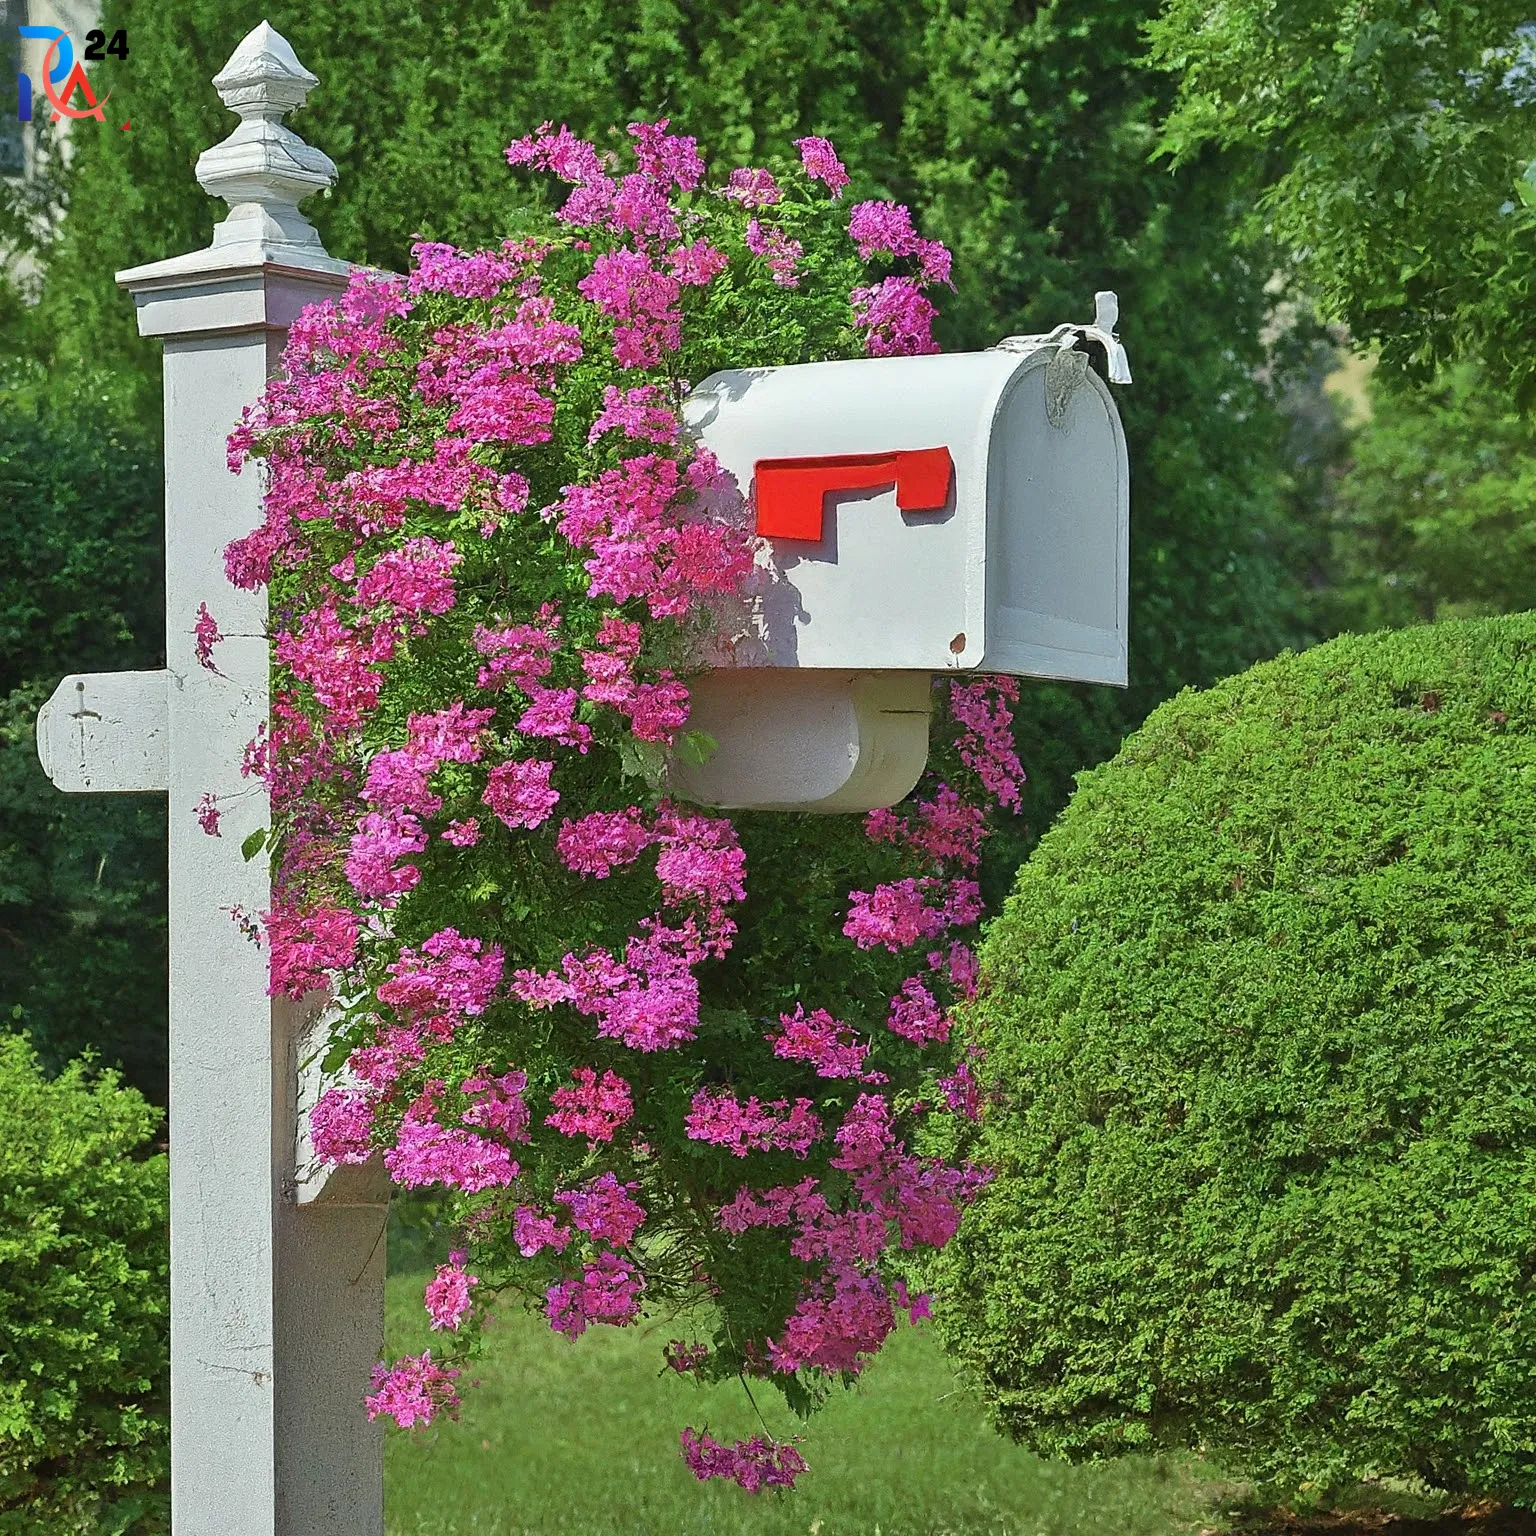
[496,561]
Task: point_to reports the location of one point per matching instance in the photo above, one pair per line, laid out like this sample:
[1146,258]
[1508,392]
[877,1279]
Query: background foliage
[1019,134]
[82,877]
[1390,149]
[1437,515]
[84,1447]
[1262,1016]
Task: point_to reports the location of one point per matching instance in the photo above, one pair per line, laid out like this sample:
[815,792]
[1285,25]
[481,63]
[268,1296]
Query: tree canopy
[1391,149]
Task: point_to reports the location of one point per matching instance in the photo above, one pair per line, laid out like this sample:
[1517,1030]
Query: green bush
[1261,1016]
[83,1267]
[82,877]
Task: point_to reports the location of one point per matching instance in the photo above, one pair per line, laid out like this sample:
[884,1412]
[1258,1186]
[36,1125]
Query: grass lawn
[580,1439]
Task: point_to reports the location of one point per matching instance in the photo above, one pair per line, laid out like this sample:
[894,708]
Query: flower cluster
[495,559]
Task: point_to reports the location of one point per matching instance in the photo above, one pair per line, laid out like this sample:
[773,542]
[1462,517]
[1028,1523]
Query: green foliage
[82,878]
[1262,1016]
[1392,147]
[84,1447]
[1020,135]
[1436,517]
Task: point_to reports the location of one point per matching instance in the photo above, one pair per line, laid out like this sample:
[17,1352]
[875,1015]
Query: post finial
[264,170]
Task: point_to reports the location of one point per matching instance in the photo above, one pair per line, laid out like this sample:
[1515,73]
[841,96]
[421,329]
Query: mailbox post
[277,1283]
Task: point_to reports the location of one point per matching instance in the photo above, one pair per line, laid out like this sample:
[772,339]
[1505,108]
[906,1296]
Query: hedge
[1261,1024]
[84,1445]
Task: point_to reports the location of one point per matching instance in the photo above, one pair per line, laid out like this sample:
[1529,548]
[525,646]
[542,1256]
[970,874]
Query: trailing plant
[495,556]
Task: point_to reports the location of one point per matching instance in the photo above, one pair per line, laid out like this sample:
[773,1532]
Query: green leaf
[254,843]
[696,747]
[643,760]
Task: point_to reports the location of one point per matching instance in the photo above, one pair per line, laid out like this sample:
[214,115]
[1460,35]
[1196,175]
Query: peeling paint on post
[276,1300]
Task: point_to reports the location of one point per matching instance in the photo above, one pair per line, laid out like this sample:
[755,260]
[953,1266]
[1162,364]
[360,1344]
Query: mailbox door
[1058,540]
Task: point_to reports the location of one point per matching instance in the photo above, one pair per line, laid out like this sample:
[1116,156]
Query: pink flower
[569,158]
[607,1292]
[641,301]
[752,1464]
[592,1109]
[398,780]
[601,841]
[205,635]
[440,268]
[520,793]
[700,860]
[667,158]
[427,1152]
[373,864]
[916,1015]
[414,1390]
[447,1297]
[646,539]
[414,579]
[519,653]
[685,1358]
[821,163]
[896,318]
[722,1120]
[986,742]
[497,405]
[533,1231]
[449,979]
[462,834]
[885,228]
[916,1307]
[780,252]
[894,915]
[882,228]
[697,264]
[822,1041]
[603,1209]
[945,829]
[752,188]
[338,663]
[207,812]
[497,1104]
[961,965]
[341,1126]
[306,946]
[658,711]
[641,414]
[552,714]
[836,1325]
[962,1093]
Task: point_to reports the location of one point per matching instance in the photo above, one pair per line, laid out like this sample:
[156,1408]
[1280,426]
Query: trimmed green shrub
[1261,1023]
[84,1445]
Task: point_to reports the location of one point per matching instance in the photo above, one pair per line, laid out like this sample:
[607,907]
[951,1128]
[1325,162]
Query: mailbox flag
[791,493]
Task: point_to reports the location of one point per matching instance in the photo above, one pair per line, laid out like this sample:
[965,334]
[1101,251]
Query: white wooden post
[276,1295]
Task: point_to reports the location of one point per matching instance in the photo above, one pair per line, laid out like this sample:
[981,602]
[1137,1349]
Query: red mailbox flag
[791,492]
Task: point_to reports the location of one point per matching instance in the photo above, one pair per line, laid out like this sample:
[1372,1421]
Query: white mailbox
[958,512]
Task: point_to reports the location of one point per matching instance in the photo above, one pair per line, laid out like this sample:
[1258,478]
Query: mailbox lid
[881,589]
